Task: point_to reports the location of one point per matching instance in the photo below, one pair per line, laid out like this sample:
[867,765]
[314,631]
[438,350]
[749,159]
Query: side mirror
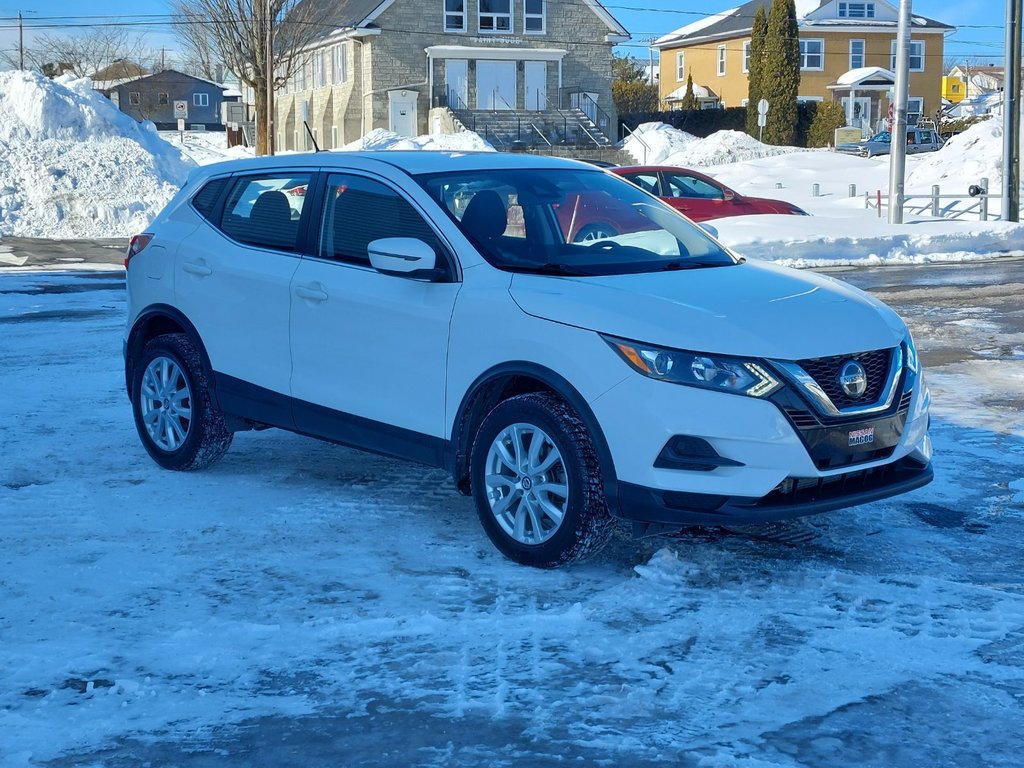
[402,256]
[728,194]
[713,231]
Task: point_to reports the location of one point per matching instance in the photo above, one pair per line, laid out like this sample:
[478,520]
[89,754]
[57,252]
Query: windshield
[884,136]
[570,222]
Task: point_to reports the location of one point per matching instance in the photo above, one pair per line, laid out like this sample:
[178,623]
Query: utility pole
[1011,113]
[898,134]
[21,42]
[270,78]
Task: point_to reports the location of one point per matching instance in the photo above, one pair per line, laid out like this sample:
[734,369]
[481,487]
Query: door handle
[197,268]
[311,292]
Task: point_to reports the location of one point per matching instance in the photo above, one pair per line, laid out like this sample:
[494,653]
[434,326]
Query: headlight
[912,362]
[697,369]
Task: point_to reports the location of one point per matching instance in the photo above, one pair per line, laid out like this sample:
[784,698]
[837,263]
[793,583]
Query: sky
[980,23]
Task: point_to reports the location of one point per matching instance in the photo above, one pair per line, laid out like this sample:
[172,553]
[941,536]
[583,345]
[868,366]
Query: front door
[859,116]
[402,112]
[369,350]
[456,77]
[495,85]
[536,85]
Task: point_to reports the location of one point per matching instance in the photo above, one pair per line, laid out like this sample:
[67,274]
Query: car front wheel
[537,482]
[174,414]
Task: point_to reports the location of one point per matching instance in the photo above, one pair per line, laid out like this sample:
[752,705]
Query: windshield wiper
[547,269]
[675,266]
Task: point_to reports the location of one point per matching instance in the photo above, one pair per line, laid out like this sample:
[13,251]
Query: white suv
[458,310]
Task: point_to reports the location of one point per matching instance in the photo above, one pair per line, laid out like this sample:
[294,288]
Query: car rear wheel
[537,482]
[179,425]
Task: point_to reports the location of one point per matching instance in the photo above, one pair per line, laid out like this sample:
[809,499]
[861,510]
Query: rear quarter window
[205,201]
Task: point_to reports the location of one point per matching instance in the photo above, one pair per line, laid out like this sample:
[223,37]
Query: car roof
[662,169]
[412,162]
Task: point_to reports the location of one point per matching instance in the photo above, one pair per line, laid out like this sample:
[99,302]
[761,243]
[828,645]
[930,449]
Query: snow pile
[73,166]
[966,159]
[661,144]
[379,139]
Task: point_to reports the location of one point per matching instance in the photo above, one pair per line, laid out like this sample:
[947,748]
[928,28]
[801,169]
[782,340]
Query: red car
[698,196]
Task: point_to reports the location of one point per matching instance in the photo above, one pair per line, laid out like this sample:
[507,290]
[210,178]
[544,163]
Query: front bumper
[746,460]
[651,505]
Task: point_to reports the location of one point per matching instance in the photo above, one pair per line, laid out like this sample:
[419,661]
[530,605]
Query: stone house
[152,97]
[417,66]
[847,53]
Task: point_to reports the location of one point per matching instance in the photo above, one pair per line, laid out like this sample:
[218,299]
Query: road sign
[762,107]
[762,120]
[181,110]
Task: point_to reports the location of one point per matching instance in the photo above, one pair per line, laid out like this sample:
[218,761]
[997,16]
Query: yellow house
[847,54]
[953,88]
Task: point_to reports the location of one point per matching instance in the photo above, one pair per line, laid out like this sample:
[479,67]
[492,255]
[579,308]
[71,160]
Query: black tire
[206,436]
[586,524]
[594,232]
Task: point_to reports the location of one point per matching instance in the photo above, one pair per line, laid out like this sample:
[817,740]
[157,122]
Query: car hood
[752,309]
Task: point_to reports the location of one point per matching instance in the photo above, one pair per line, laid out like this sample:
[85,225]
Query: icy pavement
[304,604]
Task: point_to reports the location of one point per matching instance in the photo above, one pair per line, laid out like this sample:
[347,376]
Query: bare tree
[86,54]
[235,32]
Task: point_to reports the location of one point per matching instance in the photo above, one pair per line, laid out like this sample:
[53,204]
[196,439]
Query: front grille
[801,419]
[825,371]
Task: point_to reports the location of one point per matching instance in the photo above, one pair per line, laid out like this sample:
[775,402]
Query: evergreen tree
[780,77]
[690,98]
[755,66]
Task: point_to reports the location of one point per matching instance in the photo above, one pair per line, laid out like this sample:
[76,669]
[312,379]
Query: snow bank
[966,159]
[379,139]
[661,144]
[73,166]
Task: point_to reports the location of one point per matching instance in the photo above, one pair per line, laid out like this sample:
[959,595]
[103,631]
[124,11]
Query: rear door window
[266,210]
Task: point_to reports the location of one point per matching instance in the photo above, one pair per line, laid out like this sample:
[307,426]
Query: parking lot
[304,604]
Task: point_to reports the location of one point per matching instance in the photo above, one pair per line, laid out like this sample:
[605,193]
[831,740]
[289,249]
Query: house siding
[178,87]
[396,59]
[701,60]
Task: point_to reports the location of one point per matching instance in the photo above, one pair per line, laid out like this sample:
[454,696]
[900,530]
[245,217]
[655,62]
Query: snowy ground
[841,229]
[302,604]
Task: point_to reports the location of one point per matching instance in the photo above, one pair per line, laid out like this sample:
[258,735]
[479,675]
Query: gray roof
[739,21]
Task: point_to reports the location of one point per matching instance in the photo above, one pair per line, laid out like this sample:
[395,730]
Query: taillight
[136,246]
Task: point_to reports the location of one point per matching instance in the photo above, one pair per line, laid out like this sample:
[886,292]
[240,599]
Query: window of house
[495,15]
[200,99]
[162,99]
[856,10]
[454,15]
[856,54]
[264,210]
[956,88]
[915,54]
[681,67]
[533,16]
[915,108]
[318,70]
[334,137]
[746,55]
[358,211]
[134,98]
[812,54]
[300,77]
[339,63]
[721,60]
